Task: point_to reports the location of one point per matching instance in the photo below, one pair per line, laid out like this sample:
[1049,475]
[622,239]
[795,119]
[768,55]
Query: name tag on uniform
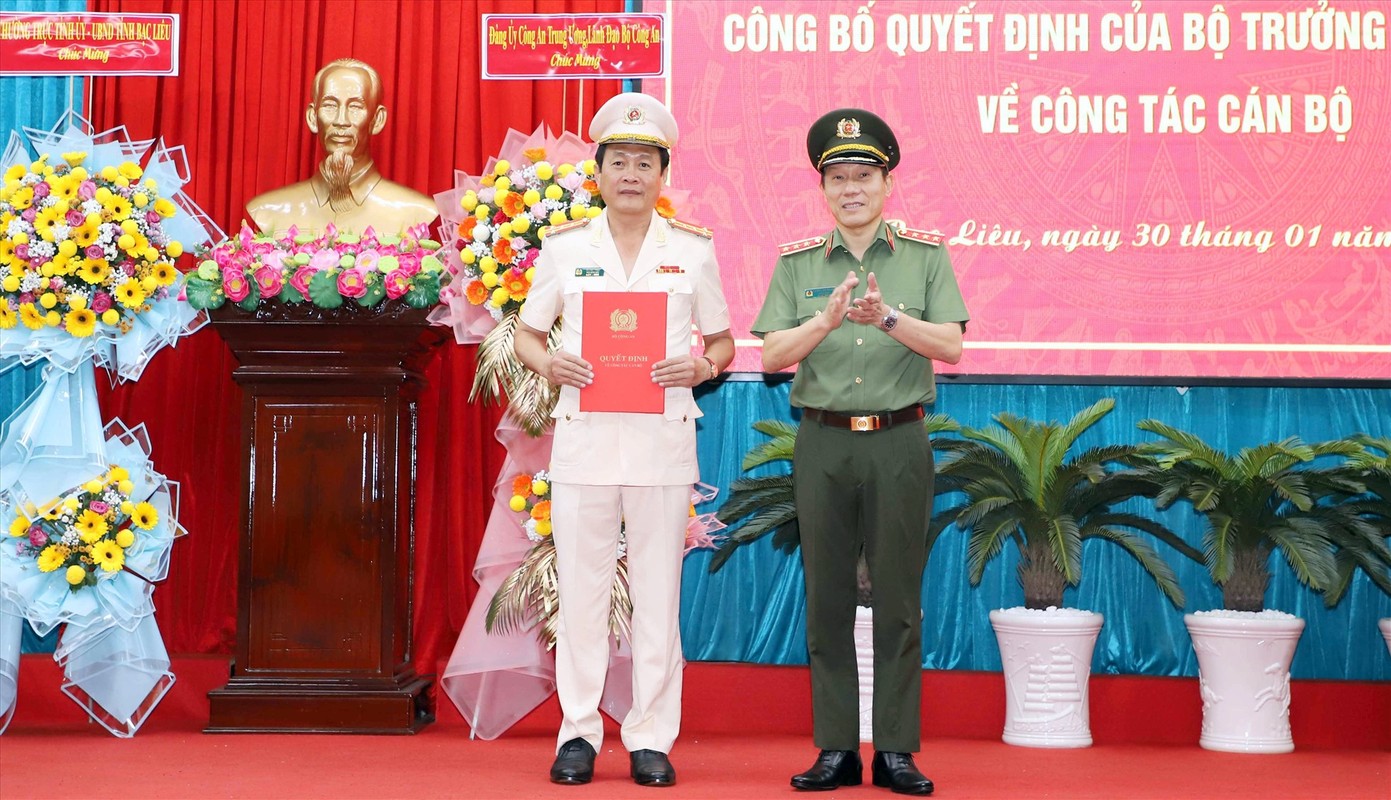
[589,272]
[824,291]
[670,269]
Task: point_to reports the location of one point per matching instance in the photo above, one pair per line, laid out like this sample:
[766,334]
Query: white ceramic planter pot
[1047,657]
[1385,626]
[864,662]
[1244,676]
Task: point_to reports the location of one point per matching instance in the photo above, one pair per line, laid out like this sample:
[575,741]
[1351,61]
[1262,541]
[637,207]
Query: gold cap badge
[848,128]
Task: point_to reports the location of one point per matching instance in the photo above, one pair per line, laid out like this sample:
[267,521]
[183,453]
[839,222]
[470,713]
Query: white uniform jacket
[607,449]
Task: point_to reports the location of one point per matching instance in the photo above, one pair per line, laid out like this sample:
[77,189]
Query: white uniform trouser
[585,521]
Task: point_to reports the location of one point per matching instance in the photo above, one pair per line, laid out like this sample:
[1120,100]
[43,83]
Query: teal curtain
[753,608]
[34,103]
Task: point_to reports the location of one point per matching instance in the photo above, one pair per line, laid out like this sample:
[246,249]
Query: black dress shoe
[574,763]
[651,768]
[833,769]
[898,772]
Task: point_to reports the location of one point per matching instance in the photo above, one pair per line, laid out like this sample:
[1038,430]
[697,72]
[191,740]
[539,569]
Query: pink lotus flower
[235,286]
[270,280]
[352,283]
[300,279]
[397,284]
[324,259]
[367,260]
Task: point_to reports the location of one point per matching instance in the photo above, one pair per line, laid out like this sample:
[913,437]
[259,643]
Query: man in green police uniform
[863,464]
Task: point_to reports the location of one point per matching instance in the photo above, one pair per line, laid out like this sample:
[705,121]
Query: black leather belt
[864,422]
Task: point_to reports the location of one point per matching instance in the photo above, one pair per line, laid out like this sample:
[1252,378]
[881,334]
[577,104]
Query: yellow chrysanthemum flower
[164,208]
[8,319]
[118,208]
[517,503]
[53,319]
[554,192]
[76,575]
[145,516]
[500,296]
[86,234]
[93,486]
[543,527]
[130,295]
[544,170]
[94,270]
[109,173]
[20,525]
[539,488]
[531,197]
[81,322]
[91,526]
[117,473]
[47,220]
[65,188]
[30,315]
[109,556]
[489,280]
[110,316]
[22,199]
[502,167]
[175,248]
[74,158]
[125,537]
[16,172]
[6,247]
[52,557]
[130,170]
[164,273]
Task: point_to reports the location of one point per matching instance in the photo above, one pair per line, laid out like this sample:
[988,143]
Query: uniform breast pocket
[680,292]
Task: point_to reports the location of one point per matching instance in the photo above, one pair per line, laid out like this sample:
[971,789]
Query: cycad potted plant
[762,505]
[1266,498]
[1018,485]
[1368,553]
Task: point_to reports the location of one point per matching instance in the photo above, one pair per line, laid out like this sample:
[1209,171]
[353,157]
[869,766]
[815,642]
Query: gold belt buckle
[869,423]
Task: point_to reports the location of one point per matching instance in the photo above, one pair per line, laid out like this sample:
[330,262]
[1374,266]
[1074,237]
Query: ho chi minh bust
[347,190]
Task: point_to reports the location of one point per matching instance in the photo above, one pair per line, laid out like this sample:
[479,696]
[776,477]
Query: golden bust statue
[347,190]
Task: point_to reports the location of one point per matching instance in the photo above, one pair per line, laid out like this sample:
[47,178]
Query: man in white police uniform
[608,468]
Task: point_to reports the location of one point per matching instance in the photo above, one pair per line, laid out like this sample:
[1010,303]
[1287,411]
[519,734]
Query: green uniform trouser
[870,489]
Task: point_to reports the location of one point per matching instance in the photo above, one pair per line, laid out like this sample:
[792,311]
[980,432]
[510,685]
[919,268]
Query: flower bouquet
[324,271]
[495,225]
[88,241]
[86,533]
[528,598]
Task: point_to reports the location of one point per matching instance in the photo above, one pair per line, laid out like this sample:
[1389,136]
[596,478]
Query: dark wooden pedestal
[324,589]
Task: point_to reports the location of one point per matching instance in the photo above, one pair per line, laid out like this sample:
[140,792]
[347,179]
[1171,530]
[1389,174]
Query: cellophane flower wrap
[91,225]
[326,271]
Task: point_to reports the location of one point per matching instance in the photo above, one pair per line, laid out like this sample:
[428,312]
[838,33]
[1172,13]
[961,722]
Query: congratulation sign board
[562,46]
[88,44]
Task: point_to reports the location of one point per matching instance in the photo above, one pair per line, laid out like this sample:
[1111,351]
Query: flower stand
[329,425]
[1047,658]
[1244,675]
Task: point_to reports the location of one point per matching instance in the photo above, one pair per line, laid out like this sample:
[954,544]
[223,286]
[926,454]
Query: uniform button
[859,341]
[862,268]
[818,312]
[859,380]
[900,306]
[683,417]
[567,417]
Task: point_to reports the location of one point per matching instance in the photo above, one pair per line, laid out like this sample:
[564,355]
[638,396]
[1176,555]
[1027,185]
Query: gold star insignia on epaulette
[704,233]
[934,238]
[572,225]
[799,246]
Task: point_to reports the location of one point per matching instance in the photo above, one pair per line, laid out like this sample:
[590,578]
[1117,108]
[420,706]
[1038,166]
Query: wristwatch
[889,321]
[714,370]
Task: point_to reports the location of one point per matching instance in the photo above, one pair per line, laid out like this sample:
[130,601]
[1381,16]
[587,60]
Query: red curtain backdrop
[237,107]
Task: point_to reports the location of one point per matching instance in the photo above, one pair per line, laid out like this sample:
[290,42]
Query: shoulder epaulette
[934,238]
[704,233]
[798,246]
[572,225]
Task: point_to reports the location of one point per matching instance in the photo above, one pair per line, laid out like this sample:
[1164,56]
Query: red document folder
[623,337]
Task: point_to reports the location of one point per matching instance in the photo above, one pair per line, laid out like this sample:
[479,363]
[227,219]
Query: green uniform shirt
[859,368]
